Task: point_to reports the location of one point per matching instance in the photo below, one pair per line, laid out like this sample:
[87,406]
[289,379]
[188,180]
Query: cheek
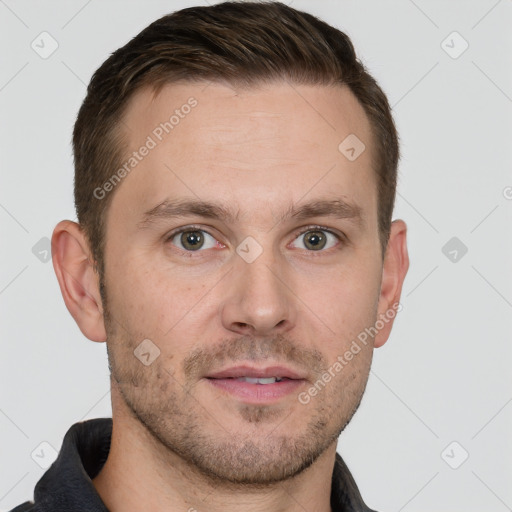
[345,298]
[135,296]
[151,300]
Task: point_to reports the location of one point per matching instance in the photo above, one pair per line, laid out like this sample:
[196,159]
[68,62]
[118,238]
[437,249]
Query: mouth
[259,380]
[257,385]
[251,372]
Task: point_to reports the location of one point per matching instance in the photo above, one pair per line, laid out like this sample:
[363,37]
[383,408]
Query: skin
[178,442]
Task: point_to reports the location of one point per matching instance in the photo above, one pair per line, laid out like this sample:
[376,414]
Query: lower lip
[257,393]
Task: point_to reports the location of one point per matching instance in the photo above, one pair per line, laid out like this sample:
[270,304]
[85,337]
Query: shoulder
[25,507]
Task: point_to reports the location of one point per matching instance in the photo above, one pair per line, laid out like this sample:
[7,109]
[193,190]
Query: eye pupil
[192,239]
[315,239]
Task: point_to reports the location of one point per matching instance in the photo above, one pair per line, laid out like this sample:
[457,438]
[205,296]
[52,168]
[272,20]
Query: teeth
[256,380]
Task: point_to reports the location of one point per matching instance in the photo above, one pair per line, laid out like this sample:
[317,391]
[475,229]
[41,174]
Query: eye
[193,239]
[317,239]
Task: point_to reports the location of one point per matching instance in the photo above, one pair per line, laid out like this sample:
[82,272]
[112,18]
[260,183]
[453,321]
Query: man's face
[292,294]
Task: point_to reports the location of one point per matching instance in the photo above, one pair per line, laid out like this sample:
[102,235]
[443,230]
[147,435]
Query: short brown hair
[241,43]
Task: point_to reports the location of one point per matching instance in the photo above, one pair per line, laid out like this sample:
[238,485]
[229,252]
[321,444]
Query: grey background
[444,375]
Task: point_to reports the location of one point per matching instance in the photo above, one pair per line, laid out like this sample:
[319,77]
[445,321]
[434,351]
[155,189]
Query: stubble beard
[178,425]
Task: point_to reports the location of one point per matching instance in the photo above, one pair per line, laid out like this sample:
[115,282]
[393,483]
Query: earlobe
[78,281]
[396,264]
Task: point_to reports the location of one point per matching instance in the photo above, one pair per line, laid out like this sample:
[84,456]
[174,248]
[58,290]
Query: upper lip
[252,371]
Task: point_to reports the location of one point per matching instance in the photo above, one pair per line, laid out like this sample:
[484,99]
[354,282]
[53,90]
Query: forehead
[276,143]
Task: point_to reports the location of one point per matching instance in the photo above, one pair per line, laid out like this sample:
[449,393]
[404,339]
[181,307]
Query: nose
[258,298]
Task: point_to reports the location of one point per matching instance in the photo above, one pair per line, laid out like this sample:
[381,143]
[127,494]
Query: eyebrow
[179,208]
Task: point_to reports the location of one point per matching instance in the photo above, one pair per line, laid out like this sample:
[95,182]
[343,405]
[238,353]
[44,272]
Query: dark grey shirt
[67,485]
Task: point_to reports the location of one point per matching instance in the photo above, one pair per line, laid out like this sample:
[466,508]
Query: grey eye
[316,239]
[193,240]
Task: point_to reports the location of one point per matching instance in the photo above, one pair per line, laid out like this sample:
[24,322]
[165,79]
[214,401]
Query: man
[235,175]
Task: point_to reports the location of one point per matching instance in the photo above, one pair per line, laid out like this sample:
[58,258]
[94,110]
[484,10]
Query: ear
[78,281]
[396,264]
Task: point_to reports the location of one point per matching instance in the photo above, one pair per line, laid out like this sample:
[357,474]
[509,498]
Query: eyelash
[192,227]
